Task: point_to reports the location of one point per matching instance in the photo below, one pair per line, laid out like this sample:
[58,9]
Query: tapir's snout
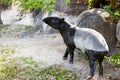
[54,22]
[45,20]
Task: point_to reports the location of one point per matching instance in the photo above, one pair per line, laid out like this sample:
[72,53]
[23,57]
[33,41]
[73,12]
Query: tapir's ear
[62,20]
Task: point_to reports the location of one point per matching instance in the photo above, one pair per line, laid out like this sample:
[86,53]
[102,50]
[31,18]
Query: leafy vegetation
[13,31]
[6,1]
[7,49]
[115,14]
[57,73]
[114,59]
[90,4]
[28,28]
[45,5]
[14,69]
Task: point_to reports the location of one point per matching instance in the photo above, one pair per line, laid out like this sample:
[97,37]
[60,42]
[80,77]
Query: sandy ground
[48,50]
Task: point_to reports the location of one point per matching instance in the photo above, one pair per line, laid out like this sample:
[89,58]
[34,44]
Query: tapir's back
[90,39]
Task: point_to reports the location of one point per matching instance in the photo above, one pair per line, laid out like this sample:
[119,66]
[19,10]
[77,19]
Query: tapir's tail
[105,53]
[108,54]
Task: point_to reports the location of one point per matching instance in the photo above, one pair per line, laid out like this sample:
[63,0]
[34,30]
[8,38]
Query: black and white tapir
[87,40]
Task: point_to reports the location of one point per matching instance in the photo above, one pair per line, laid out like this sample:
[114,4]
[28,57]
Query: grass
[28,28]
[26,68]
[13,31]
[58,73]
[7,49]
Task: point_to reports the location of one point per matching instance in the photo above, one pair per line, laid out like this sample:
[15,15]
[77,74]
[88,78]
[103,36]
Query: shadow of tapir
[87,40]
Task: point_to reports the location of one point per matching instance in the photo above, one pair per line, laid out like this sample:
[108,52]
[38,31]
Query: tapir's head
[54,22]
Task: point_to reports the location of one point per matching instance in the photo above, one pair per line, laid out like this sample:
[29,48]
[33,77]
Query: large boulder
[15,16]
[74,8]
[118,33]
[0,16]
[101,21]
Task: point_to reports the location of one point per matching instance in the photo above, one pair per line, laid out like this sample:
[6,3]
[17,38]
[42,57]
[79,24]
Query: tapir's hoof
[70,62]
[64,58]
[89,78]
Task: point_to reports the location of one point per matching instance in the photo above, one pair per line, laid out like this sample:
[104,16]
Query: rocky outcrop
[101,21]
[0,17]
[15,15]
[118,33]
[74,8]
[3,6]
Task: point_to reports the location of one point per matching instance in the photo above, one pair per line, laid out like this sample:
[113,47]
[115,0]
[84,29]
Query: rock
[39,16]
[0,17]
[30,33]
[101,21]
[74,8]
[118,34]
[15,16]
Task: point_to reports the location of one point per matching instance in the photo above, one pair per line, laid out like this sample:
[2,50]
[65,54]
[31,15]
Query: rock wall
[118,33]
[15,16]
[74,8]
[0,16]
[45,27]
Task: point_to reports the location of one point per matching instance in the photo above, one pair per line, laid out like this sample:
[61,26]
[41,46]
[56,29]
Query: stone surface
[0,17]
[74,8]
[14,15]
[118,31]
[101,21]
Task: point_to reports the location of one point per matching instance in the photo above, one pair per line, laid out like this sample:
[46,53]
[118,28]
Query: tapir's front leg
[66,54]
[71,52]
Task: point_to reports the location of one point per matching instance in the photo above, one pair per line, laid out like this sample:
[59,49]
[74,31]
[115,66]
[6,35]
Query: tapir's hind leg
[92,58]
[92,65]
[100,60]
[71,56]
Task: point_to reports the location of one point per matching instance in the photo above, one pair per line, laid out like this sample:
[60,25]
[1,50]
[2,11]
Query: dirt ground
[49,50]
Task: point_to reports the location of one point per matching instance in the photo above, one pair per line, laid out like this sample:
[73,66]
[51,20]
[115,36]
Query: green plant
[26,68]
[115,59]
[6,1]
[67,2]
[28,28]
[58,73]
[7,49]
[90,4]
[1,27]
[45,5]
[115,14]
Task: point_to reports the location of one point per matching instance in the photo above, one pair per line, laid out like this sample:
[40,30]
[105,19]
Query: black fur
[93,56]
[67,33]
[68,36]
